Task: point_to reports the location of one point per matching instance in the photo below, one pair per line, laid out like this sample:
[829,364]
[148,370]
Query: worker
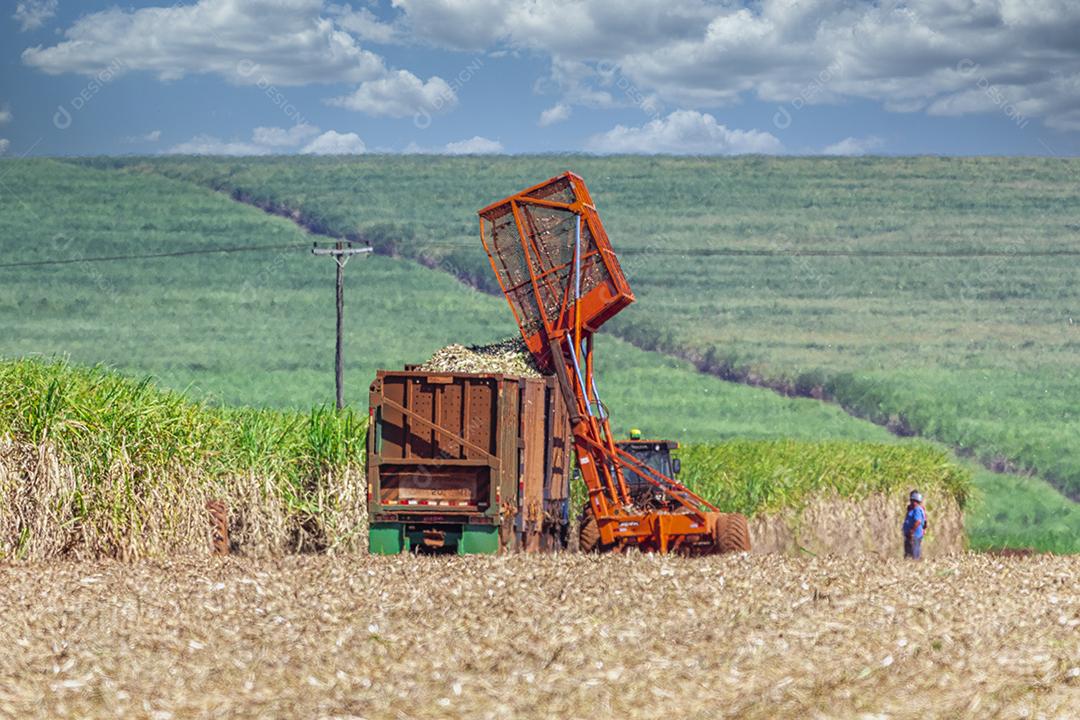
[914,526]
[635,434]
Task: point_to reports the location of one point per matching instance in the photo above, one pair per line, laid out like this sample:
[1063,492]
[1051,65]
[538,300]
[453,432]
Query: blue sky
[996,77]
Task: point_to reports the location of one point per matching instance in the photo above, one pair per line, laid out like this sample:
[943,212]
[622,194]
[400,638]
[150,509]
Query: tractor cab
[657,455]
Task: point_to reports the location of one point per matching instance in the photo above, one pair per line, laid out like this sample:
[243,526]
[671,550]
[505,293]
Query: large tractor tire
[731,533]
[588,534]
[736,536]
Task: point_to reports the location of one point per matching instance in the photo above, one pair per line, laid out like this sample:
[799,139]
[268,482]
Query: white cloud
[684,132]
[210,145]
[555,114]
[265,141]
[5,116]
[32,14]
[398,94]
[268,140]
[580,83]
[948,57]
[1068,120]
[853,146]
[598,28]
[285,42]
[248,42]
[4,145]
[365,25]
[334,143]
[1020,58]
[473,146]
[280,137]
[471,24]
[151,137]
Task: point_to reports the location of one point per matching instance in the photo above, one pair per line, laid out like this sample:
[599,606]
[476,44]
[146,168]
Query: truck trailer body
[467,463]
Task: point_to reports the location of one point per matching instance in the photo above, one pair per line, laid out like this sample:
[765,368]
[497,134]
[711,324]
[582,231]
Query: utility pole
[341,252]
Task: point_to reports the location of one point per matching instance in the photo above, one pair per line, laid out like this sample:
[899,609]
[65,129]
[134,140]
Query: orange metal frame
[564,343]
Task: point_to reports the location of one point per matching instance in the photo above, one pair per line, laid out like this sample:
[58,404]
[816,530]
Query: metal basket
[553,261]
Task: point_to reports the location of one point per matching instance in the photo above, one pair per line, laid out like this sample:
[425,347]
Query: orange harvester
[557,269]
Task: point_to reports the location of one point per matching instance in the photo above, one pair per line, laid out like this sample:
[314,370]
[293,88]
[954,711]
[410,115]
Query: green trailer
[467,463]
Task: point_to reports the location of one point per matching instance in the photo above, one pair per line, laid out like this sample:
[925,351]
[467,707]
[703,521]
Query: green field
[257,329]
[982,353]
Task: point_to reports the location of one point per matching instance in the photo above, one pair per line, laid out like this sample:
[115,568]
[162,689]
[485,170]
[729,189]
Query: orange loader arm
[555,265]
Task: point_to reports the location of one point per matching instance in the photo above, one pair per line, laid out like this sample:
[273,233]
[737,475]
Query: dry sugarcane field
[968,636]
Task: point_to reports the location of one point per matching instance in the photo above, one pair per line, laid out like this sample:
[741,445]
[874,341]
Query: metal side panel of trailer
[466,462]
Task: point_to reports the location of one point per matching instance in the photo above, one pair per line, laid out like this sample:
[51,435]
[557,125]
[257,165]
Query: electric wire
[145,256]
[699,252]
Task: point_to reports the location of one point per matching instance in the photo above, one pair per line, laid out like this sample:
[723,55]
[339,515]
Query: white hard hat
[916,496]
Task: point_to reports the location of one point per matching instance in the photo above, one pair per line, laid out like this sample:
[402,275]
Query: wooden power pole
[341,252]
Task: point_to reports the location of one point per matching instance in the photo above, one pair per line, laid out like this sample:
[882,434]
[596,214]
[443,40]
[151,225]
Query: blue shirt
[915,514]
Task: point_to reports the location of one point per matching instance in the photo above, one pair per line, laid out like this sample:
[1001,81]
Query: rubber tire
[588,534]
[735,534]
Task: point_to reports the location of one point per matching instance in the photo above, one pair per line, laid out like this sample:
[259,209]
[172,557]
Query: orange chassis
[555,265]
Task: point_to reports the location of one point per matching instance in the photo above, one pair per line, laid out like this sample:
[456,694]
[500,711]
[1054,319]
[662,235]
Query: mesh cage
[535,231]
[512,268]
[558,189]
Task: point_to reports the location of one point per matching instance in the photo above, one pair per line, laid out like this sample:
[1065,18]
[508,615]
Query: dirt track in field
[568,636]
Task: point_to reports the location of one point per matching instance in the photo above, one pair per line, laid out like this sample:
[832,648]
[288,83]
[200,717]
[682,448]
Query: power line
[698,252]
[751,252]
[174,253]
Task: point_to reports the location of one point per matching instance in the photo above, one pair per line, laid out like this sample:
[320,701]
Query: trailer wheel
[588,534]
[735,534]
